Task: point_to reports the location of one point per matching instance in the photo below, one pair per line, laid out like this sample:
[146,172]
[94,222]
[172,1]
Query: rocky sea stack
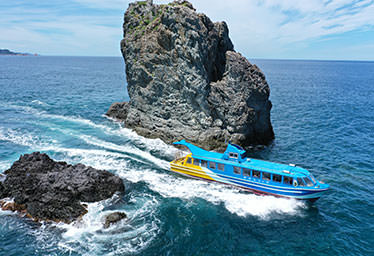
[186,81]
[47,190]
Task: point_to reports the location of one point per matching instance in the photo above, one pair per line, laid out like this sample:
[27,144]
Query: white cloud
[266,28]
[258,28]
[107,4]
[58,32]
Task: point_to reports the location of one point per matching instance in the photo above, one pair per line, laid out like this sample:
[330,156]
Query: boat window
[246,172]
[277,178]
[196,161]
[233,155]
[189,160]
[287,180]
[256,174]
[266,176]
[212,165]
[300,182]
[237,170]
[204,163]
[308,182]
[221,167]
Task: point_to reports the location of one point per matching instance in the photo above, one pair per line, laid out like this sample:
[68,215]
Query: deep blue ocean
[323,119]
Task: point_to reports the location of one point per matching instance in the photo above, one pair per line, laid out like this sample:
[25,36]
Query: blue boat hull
[310,194]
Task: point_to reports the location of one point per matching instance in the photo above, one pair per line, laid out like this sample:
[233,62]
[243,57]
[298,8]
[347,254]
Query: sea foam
[137,160]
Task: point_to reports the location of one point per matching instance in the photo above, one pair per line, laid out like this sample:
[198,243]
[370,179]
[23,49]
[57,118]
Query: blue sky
[285,29]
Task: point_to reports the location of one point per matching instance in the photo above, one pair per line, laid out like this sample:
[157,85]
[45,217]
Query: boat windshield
[237,146]
[308,182]
[313,179]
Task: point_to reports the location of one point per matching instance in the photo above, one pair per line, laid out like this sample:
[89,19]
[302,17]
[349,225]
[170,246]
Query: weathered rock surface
[49,190]
[113,218]
[118,110]
[185,80]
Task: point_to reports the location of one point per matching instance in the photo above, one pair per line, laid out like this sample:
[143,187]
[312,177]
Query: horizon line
[251,58]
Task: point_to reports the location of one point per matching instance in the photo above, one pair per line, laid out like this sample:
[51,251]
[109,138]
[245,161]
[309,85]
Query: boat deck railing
[178,161]
[179,156]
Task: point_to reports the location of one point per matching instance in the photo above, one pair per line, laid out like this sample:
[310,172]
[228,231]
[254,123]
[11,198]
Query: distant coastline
[8,52]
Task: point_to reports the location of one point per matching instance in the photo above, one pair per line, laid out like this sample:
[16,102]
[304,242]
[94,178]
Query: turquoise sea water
[323,118]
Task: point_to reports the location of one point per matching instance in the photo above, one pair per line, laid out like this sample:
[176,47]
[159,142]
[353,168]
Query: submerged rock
[113,218]
[185,80]
[48,190]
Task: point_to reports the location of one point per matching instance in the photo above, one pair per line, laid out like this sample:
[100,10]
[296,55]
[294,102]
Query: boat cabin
[233,164]
[233,168]
[234,152]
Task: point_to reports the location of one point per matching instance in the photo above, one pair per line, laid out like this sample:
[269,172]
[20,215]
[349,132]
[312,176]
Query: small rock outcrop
[44,189]
[113,218]
[186,81]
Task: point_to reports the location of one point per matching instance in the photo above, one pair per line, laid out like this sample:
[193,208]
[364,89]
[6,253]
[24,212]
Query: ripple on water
[322,117]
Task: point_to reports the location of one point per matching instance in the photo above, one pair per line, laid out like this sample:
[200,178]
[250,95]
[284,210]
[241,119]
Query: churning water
[323,118]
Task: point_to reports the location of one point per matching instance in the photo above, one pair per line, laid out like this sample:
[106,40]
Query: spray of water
[139,159]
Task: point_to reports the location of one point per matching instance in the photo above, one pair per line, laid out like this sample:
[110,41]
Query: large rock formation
[49,190]
[185,80]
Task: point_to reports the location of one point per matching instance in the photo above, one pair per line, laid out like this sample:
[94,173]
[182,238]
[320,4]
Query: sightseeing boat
[258,176]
